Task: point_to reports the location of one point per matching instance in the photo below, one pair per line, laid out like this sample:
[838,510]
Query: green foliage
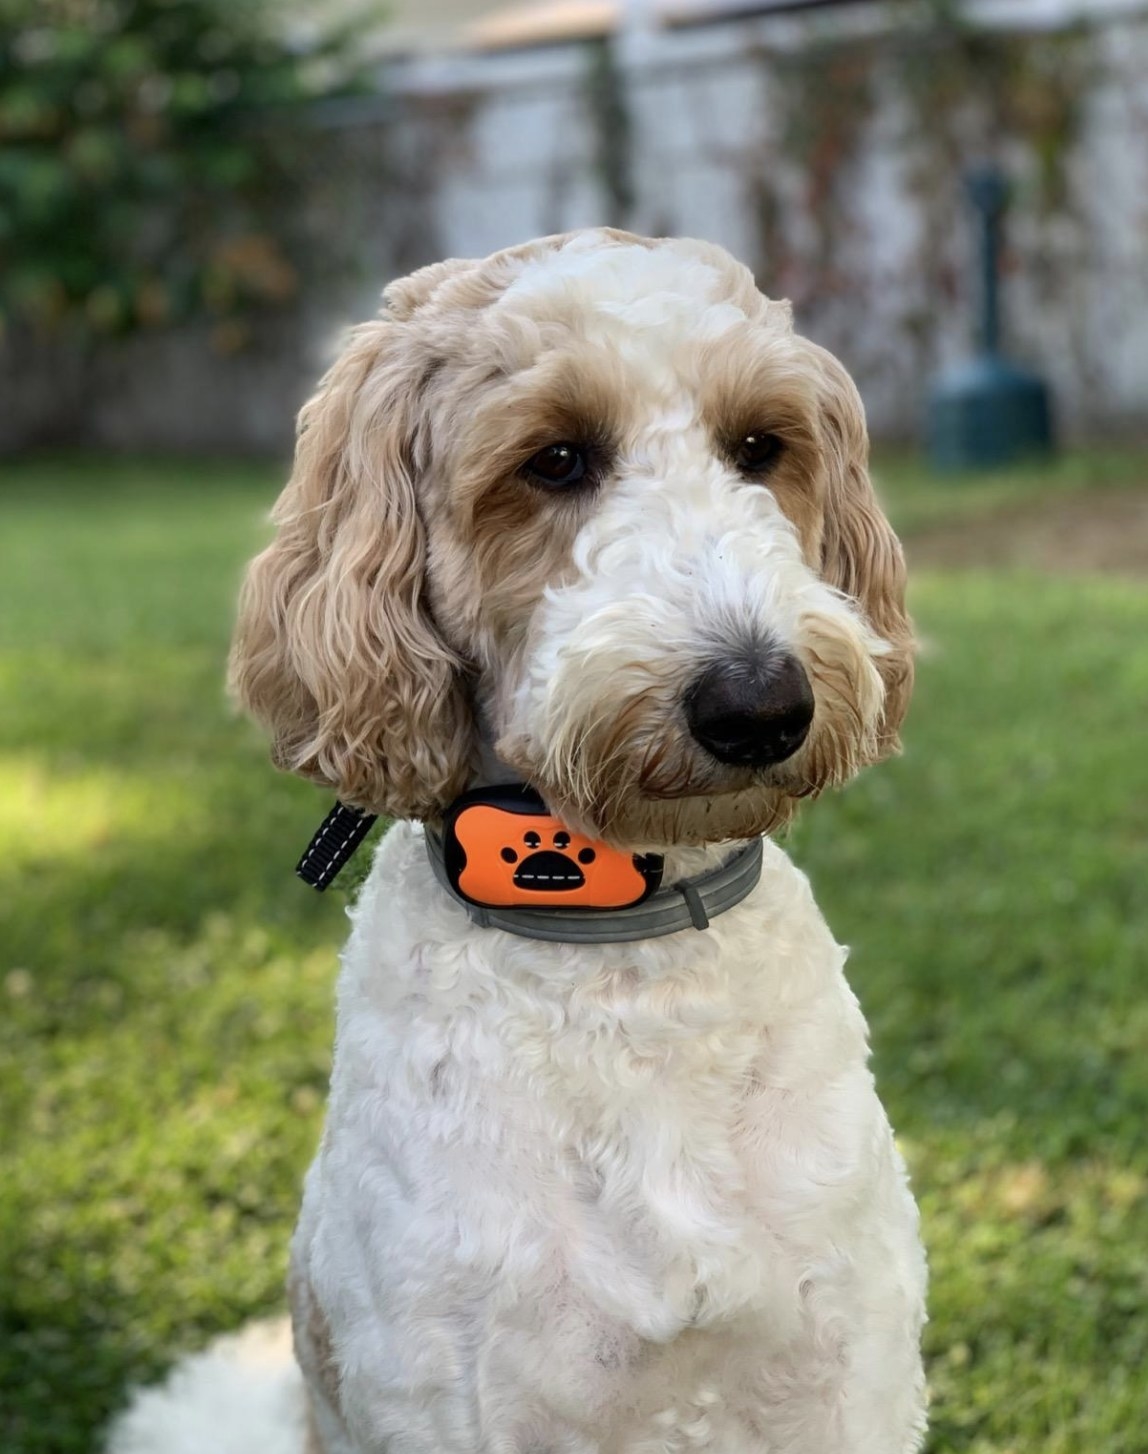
[151,160]
[968,88]
[165,986]
[956,92]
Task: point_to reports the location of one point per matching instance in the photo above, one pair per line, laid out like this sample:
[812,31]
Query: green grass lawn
[918,502]
[165,982]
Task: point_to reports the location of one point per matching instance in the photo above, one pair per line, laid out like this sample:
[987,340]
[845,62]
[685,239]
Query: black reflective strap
[340,833]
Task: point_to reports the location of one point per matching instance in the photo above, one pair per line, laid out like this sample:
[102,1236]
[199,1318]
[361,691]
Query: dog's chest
[616,1188]
[649,1165]
[659,1131]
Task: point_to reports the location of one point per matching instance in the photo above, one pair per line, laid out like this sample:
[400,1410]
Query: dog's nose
[751,712]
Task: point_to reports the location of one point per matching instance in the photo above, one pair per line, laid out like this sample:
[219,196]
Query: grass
[918,502]
[165,984]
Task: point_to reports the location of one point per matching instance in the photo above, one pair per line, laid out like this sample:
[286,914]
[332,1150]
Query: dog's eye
[756,452]
[557,466]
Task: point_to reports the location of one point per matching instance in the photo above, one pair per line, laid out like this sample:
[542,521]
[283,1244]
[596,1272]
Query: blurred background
[195,197]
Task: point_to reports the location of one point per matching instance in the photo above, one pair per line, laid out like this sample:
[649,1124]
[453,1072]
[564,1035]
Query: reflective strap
[689,904]
[339,834]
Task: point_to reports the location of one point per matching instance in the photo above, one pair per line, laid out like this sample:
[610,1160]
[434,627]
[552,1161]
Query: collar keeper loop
[698,916]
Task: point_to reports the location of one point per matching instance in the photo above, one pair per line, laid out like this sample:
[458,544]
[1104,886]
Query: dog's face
[592,503]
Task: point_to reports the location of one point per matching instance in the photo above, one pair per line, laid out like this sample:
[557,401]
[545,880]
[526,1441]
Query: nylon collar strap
[688,904]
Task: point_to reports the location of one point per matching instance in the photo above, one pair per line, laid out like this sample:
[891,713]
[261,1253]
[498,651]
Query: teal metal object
[987,412]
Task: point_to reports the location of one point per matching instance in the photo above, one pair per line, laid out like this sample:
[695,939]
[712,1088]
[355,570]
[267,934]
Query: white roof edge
[711,41]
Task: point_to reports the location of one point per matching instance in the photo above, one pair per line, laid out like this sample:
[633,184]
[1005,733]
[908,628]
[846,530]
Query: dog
[589,518]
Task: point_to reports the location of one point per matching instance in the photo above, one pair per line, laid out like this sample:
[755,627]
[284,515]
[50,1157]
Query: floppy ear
[860,555]
[335,652]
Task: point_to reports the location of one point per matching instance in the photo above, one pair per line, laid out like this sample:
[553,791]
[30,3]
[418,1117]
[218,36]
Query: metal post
[988,193]
[987,411]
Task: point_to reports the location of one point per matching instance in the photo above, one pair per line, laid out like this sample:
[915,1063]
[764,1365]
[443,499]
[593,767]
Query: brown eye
[557,466]
[756,452]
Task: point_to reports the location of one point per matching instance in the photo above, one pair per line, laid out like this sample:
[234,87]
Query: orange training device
[503,849]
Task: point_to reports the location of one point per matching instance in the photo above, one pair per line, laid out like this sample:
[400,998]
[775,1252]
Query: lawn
[165,982]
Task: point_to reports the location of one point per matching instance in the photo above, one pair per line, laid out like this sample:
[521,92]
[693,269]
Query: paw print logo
[554,869]
[505,857]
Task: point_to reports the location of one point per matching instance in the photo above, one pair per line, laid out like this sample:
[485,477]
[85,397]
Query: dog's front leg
[314,1350]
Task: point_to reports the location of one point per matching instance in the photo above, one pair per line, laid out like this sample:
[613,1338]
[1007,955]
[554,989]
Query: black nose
[751,712]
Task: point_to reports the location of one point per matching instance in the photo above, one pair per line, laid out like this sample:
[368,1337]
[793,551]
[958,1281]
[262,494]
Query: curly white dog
[586,515]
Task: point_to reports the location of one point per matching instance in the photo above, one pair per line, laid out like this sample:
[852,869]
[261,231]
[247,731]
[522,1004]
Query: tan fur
[758,380]
[315,1352]
[312,1441]
[860,553]
[497,543]
[335,651]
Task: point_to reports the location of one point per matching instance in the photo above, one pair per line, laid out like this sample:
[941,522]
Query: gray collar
[688,904]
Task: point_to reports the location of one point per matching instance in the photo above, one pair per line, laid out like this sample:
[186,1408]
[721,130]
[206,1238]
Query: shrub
[151,158]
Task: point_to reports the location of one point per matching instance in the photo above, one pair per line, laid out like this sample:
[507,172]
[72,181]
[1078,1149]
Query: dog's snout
[751,712]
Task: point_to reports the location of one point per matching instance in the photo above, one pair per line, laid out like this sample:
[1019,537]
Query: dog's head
[593,504]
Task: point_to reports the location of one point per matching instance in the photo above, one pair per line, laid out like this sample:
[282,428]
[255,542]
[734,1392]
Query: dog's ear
[860,554]
[335,651]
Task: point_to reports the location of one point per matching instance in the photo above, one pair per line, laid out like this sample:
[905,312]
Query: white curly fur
[614,1199]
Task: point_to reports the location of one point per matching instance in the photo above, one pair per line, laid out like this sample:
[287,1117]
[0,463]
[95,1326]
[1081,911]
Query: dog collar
[690,903]
[647,909]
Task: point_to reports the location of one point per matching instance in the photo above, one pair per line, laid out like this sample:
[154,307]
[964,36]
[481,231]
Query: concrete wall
[897,297]
[473,153]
